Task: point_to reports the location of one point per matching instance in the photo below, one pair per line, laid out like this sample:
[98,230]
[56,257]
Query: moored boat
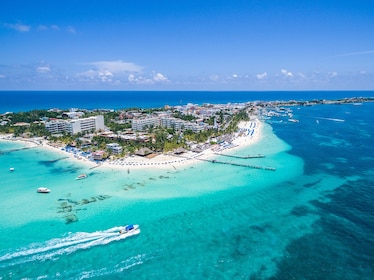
[293,120]
[43,190]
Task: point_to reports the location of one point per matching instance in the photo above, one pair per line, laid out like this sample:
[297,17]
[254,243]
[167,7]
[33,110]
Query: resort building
[98,155]
[144,123]
[75,126]
[179,124]
[56,126]
[168,122]
[86,124]
[114,148]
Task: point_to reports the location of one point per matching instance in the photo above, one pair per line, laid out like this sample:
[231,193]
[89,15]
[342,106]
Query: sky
[187,45]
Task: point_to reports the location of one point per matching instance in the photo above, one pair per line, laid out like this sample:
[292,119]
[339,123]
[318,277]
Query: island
[156,137]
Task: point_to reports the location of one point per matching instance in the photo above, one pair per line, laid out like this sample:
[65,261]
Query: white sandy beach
[249,133]
[176,161]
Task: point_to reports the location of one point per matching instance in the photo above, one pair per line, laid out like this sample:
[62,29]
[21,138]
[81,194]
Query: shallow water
[310,219]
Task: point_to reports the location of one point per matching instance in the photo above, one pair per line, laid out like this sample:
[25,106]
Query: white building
[179,124]
[86,124]
[142,124]
[56,126]
[77,125]
[115,148]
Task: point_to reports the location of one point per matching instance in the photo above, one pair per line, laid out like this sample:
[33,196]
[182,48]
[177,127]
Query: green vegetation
[179,115]
[158,139]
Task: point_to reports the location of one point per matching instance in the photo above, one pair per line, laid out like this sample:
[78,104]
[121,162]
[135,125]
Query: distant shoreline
[24,101]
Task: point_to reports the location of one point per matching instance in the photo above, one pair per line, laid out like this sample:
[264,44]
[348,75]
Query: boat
[293,120]
[82,176]
[43,190]
[129,230]
[11,169]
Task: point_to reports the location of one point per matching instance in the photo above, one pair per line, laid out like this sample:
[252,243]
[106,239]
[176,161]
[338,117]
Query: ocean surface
[16,101]
[312,218]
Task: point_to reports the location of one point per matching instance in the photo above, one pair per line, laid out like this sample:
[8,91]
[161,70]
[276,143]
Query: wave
[73,242]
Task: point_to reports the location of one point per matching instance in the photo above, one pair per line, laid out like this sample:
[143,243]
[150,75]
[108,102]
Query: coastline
[160,161]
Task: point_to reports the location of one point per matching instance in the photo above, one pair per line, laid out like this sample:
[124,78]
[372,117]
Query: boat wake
[73,242]
[330,119]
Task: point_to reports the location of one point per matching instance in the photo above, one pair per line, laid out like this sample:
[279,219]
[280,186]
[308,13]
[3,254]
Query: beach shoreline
[242,138]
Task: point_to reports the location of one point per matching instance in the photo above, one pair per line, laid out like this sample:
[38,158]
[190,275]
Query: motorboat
[11,169]
[293,120]
[129,230]
[43,190]
[82,176]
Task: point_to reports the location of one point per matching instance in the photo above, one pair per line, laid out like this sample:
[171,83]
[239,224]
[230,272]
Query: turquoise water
[310,219]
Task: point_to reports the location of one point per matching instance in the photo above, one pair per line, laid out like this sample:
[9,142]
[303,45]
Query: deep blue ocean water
[342,244]
[311,219]
[15,101]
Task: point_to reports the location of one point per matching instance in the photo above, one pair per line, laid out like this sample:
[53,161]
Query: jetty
[268,168]
[241,157]
[239,164]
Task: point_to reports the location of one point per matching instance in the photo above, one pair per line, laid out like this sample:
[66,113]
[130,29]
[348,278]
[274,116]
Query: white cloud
[262,76]
[91,74]
[112,71]
[333,74]
[105,76]
[154,78]
[235,76]
[139,80]
[117,66]
[18,27]
[286,73]
[94,75]
[158,77]
[43,69]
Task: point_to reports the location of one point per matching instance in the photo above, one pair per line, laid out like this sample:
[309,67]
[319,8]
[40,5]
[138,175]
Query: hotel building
[142,124]
[115,148]
[75,126]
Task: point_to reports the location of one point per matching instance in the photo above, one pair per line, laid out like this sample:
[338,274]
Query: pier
[239,164]
[242,157]
[268,168]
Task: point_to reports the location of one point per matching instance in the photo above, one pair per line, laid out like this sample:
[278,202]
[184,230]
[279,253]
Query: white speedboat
[129,230]
[43,190]
[11,169]
[82,176]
